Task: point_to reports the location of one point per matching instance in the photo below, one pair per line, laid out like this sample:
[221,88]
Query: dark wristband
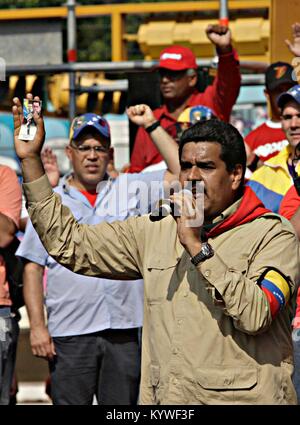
[152,127]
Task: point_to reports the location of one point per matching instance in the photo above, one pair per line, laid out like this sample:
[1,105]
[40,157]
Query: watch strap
[205,253]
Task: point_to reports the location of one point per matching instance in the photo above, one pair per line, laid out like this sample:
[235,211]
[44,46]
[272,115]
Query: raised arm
[29,153]
[105,250]
[222,95]
[143,116]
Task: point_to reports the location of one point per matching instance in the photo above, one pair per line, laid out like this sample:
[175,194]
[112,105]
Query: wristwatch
[205,253]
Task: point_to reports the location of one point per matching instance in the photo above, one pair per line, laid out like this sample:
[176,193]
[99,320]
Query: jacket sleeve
[144,152]
[224,91]
[239,291]
[138,160]
[106,250]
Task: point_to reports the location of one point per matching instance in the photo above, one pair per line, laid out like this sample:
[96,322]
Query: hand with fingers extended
[294,46]
[49,160]
[29,151]
[141,115]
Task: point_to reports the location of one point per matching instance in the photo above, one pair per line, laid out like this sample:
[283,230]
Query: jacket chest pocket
[227,385]
[161,276]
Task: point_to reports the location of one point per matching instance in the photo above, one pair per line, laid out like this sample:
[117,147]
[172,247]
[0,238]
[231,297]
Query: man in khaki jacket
[218,296]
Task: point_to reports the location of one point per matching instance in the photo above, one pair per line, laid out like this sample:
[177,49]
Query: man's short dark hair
[232,144]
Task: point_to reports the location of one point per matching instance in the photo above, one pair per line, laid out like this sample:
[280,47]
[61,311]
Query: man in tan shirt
[218,296]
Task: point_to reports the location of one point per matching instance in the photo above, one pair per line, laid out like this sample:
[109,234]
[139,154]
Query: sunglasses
[84,149]
[171,75]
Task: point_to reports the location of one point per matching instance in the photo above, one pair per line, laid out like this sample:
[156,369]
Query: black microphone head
[164,209]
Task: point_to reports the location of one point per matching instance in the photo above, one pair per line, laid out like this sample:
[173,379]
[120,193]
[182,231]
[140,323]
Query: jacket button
[175,350]
[207,273]
[185,294]
[179,322]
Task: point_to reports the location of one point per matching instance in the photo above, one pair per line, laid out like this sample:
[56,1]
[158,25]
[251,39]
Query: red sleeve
[290,203]
[138,160]
[250,139]
[223,93]
[144,152]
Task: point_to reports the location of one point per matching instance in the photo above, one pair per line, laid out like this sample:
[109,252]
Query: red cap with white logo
[177,58]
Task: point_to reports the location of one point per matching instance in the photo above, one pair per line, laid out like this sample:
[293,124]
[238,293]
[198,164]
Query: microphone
[166,207]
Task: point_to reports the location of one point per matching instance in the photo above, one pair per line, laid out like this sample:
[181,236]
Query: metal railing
[124,66]
[256,77]
[118,12]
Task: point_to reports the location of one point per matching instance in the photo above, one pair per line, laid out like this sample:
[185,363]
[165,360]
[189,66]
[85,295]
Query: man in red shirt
[268,139]
[178,78]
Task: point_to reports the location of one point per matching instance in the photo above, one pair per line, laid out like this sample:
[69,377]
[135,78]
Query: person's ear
[111,153]
[193,79]
[237,176]
[68,152]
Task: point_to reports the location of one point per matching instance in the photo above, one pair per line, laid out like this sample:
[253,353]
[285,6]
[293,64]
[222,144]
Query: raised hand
[29,151]
[295,45]
[220,36]
[25,149]
[141,115]
[50,165]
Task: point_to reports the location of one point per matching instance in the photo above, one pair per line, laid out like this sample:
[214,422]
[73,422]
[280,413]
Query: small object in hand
[28,127]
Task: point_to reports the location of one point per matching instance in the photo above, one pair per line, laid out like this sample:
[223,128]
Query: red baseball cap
[177,58]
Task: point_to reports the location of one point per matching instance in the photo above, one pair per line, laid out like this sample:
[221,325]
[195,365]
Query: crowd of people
[195,303]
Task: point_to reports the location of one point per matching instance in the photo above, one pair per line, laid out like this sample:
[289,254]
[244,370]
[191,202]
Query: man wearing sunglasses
[178,80]
[92,337]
